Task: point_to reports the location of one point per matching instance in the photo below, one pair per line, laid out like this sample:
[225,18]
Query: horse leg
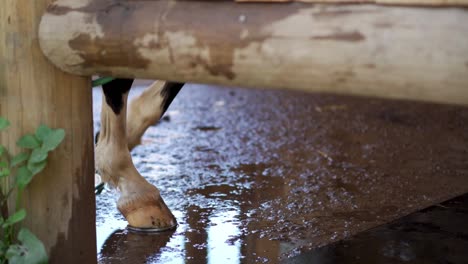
[140,202]
[148,108]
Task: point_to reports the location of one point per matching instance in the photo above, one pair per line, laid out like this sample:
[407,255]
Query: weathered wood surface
[372,50]
[381,2]
[60,201]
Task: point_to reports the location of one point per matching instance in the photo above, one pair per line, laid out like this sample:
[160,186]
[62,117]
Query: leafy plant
[23,246]
[101,81]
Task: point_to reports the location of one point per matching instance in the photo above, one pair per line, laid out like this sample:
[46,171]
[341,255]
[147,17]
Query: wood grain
[60,201]
[370,50]
[439,3]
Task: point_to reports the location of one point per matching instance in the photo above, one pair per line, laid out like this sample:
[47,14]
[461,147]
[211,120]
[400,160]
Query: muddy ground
[263,176]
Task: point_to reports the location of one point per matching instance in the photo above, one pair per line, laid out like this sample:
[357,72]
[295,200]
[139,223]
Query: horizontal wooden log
[380,2]
[385,51]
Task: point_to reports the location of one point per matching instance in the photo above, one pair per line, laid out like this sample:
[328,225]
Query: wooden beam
[386,51]
[380,2]
[60,201]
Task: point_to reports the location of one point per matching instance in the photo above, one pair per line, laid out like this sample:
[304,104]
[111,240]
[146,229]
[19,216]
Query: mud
[258,176]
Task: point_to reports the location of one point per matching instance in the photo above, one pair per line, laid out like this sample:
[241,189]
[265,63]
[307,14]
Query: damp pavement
[265,176]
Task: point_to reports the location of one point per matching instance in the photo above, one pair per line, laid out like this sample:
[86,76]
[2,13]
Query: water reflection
[252,183]
[223,245]
[203,236]
[216,226]
[124,246]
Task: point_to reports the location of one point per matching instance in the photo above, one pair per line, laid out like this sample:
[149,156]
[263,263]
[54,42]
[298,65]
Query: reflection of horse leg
[129,247]
[148,108]
[140,201]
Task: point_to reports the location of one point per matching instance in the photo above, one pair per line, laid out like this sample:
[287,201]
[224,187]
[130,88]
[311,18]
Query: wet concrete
[258,176]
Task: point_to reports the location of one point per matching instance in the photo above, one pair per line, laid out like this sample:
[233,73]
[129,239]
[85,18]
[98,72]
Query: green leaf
[101,81]
[15,218]
[53,139]
[30,251]
[4,173]
[35,168]
[23,156]
[4,170]
[42,132]
[29,142]
[38,155]
[13,251]
[2,150]
[4,123]
[23,177]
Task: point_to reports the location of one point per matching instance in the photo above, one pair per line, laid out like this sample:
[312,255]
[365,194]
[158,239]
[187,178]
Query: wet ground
[268,176]
[438,234]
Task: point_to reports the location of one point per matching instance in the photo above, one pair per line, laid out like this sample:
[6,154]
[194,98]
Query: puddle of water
[258,176]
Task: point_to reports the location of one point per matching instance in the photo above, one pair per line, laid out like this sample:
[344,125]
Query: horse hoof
[148,214]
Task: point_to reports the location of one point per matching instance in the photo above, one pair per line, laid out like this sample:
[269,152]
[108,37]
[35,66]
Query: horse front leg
[140,202]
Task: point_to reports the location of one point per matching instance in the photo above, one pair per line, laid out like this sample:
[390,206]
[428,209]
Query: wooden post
[60,201]
[416,53]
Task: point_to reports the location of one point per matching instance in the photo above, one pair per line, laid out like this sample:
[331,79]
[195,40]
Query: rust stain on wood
[353,36]
[103,51]
[84,44]
[174,17]
[220,58]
